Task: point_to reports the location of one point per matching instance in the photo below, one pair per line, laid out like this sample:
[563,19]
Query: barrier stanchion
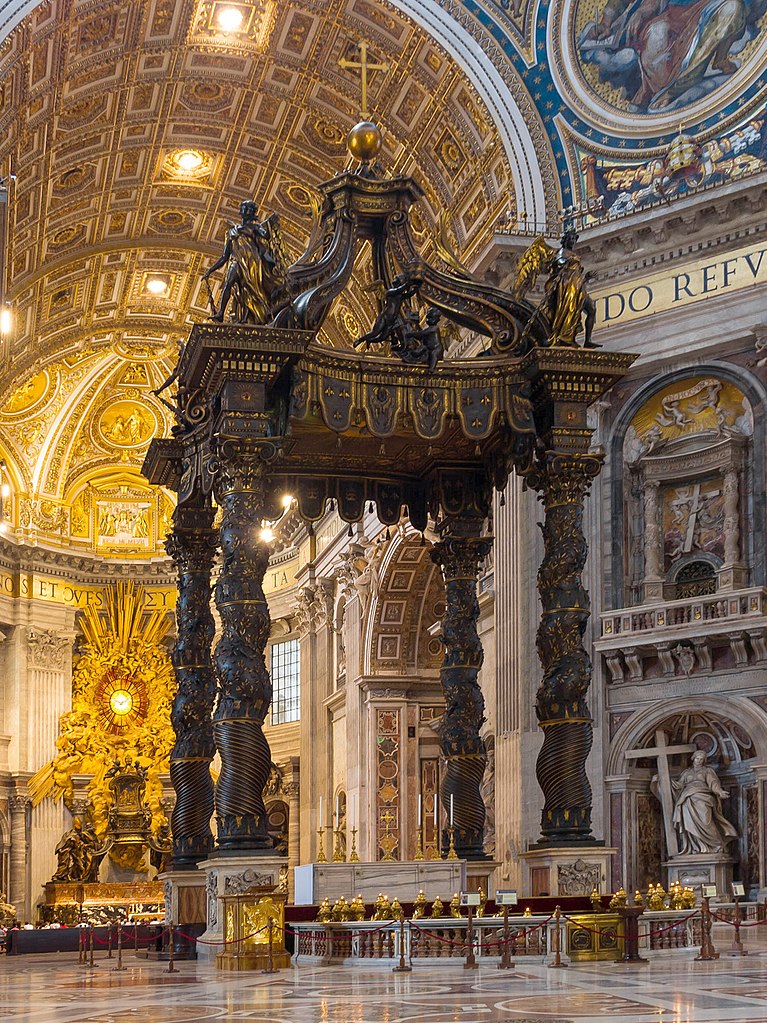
[171,967]
[91,964]
[707,950]
[737,945]
[471,962]
[506,963]
[135,936]
[270,950]
[81,956]
[119,947]
[630,917]
[557,964]
[109,942]
[402,967]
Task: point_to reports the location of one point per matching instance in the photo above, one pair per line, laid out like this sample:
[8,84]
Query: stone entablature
[684,637]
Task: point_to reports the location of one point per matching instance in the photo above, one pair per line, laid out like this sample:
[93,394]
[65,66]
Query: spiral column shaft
[192,545]
[562,482]
[462,747]
[245,688]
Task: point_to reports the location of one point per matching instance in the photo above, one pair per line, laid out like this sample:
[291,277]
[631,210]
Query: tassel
[350,532]
[371,508]
[502,501]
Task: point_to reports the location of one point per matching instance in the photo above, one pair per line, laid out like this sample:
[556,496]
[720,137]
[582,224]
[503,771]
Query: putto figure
[256,262]
[567,306]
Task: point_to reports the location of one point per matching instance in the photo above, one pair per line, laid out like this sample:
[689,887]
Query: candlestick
[321,858]
[353,857]
[451,853]
[435,810]
[321,811]
[338,812]
[419,844]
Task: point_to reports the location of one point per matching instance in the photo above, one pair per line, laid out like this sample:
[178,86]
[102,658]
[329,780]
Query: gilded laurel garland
[192,545]
[122,689]
[461,744]
[245,691]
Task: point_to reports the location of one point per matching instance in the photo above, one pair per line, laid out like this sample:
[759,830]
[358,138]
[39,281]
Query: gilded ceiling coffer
[192,545]
[263,408]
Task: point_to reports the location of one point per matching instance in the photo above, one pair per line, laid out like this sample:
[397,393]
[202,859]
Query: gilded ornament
[619,899]
[419,906]
[455,906]
[364,141]
[437,909]
[325,913]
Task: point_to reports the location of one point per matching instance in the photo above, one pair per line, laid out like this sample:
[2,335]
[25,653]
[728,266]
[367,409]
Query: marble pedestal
[566,870]
[695,869]
[232,875]
[318,881]
[185,909]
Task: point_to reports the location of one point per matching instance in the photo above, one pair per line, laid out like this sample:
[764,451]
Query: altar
[436,878]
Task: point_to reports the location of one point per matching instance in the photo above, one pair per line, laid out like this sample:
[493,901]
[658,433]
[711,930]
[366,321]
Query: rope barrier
[346,934]
[620,937]
[232,941]
[724,920]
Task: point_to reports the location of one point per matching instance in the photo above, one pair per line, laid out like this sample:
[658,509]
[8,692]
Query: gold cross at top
[364,67]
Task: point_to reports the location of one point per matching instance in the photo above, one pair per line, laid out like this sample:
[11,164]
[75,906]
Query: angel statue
[566,301]
[255,274]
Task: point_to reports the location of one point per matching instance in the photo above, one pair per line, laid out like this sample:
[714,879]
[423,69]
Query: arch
[739,708]
[613,475]
[478,65]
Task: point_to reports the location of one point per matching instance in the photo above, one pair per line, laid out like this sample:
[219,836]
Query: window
[286,684]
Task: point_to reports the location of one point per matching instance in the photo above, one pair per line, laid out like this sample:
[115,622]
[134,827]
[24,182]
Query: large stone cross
[661,751]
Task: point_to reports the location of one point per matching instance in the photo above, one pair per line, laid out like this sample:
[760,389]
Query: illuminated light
[287,500]
[267,534]
[6,319]
[5,490]
[121,702]
[157,285]
[189,160]
[229,19]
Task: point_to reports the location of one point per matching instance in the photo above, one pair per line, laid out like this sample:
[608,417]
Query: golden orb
[364,141]
[121,702]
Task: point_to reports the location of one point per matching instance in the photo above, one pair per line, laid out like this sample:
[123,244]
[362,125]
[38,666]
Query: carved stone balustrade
[679,638]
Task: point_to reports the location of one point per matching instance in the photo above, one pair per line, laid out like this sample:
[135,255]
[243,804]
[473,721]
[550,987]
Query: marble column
[192,546]
[459,556]
[312,620]
[653,544]
[732,574]
[245,688]
[562,482]
[18,894]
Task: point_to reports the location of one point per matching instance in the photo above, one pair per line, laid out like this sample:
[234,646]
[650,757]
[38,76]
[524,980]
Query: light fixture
[6,319]
[5,490]
[267,534]
[157,285]
[230,19]
[121,702]
[287,501]
[188,160]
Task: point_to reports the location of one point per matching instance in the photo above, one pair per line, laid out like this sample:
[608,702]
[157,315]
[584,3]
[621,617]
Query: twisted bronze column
[192,545]
[464,752]
[562,482]
[245,688]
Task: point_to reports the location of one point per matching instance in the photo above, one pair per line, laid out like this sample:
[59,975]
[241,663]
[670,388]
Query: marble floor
[672,989]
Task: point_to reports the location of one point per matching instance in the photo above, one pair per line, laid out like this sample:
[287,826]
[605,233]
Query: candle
[338,812]
[419,810]
[435,811]
[320,811]
[451,809]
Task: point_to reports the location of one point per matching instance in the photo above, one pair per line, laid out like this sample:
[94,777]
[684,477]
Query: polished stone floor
[672,989]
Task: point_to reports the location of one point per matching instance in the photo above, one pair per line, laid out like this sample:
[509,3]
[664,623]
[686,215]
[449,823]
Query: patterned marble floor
[672,989]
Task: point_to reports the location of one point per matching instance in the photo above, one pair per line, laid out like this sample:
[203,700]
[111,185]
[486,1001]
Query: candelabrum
[339,853]
[419,844]
[321,857]
[451,853]
[353,857]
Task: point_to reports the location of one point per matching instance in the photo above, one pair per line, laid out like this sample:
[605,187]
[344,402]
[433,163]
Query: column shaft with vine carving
[562,482]
[192,545]
[245,688]
[462,747]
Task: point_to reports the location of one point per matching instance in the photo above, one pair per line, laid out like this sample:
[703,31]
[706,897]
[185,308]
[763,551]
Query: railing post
[506,963]
[171,967]
[119,946]
[471,962]
[403,966]
[737,944]
[557,941]
[707,950]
